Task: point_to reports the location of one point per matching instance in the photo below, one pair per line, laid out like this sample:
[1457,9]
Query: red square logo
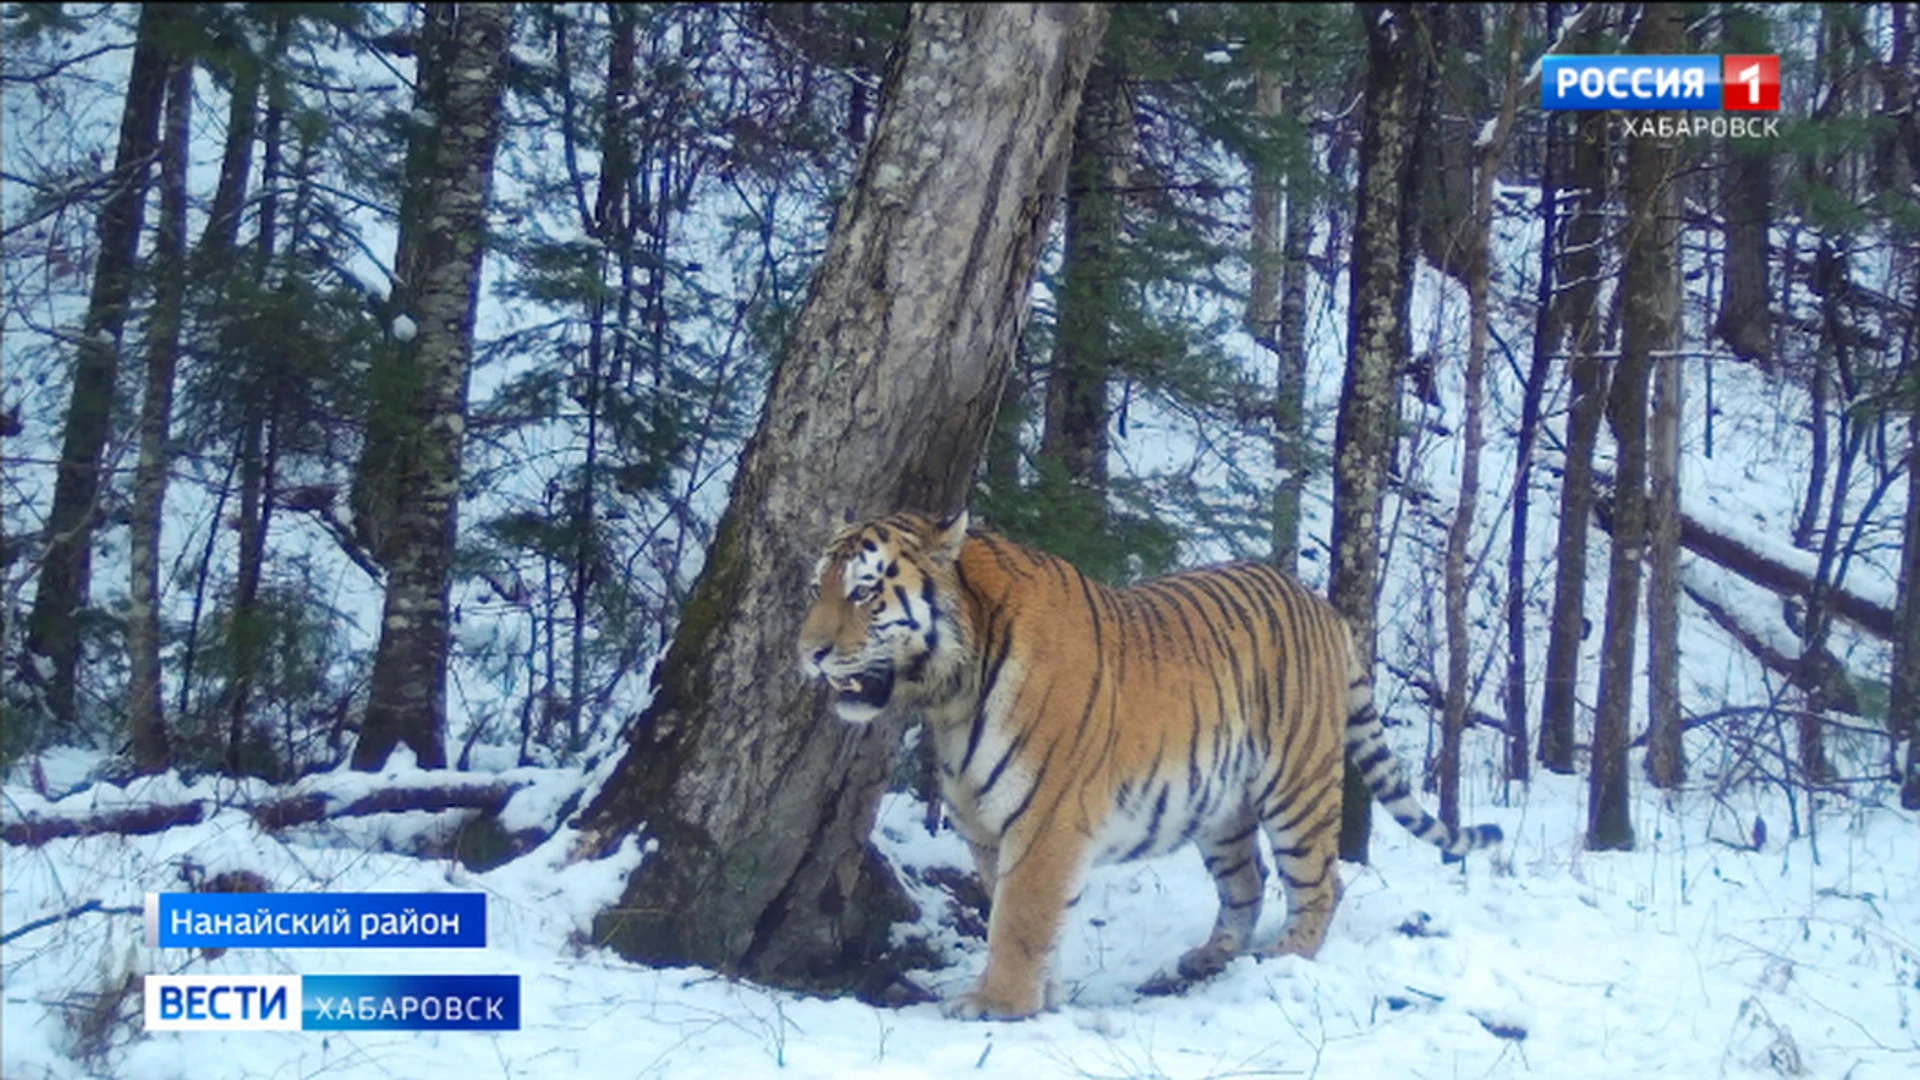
[1750,83]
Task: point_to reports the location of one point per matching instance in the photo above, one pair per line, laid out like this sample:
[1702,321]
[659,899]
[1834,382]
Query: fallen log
[1729,552]
[1839,692]
[310,807]
[1768,573]
[488,796]
[33,831]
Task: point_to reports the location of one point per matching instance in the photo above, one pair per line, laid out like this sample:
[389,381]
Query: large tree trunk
[53,628]
[759,802]
[1648,293]
[439,267]
[1075,434]
[1580,320]
[1376,348]
[145,720]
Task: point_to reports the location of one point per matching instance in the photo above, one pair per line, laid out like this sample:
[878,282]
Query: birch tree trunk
[64,583]
[760,801]
[1282,224]
[1376,349]
[1650,302]
[419,461]
[145,721]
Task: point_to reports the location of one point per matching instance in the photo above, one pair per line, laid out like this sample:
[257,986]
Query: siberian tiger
[1076,724]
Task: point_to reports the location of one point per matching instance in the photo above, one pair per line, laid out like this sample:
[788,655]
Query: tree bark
[439,263]
[1904,694]
[253,466]
[1647,292]
[53,629]
[1515,695]
[1746,198]
[146,721]
[1266,223]
[759,802]
[1665,760]
[1276,313]
[1075,433]
[1479,266]
[1745,321]
[1580,321]
[1377,336]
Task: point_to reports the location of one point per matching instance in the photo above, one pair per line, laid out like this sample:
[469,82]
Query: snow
[1690,956]
[1487,132]
[1757,610]
[404,328]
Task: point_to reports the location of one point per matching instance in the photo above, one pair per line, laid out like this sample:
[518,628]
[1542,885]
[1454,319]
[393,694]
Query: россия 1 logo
[1650,83]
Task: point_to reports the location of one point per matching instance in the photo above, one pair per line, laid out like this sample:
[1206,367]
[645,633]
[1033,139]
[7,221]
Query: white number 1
[1750,76]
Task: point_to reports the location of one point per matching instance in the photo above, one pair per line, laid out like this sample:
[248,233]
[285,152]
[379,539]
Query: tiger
[1076,724]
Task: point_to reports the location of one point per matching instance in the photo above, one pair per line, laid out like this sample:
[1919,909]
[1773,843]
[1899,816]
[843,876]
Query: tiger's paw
[974,1005]
[1196,966]
[979,1004]
[1206,961]
[1166,984]
[1289,946]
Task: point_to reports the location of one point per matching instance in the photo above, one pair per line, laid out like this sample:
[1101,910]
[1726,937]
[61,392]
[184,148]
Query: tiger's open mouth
[872,687]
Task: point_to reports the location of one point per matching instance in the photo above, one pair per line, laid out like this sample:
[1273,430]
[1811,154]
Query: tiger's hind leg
[1232,854]
[1305,839]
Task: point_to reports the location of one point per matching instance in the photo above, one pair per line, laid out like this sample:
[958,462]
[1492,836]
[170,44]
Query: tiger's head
[886,625]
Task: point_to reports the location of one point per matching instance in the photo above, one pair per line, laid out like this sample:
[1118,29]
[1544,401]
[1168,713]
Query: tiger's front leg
[986,864]
[1028,905]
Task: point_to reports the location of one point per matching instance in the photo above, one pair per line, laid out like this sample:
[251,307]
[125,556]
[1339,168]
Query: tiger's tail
[1386,777]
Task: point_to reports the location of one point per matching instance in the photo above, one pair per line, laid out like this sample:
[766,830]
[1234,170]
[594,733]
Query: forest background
[319,315]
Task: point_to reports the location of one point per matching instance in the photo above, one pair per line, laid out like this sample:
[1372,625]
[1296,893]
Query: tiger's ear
[949,536]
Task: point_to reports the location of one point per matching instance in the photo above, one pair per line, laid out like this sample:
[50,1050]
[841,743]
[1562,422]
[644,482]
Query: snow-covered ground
[1688,957]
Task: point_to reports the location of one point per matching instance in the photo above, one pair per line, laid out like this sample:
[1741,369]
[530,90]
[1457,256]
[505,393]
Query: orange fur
[1076,724]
